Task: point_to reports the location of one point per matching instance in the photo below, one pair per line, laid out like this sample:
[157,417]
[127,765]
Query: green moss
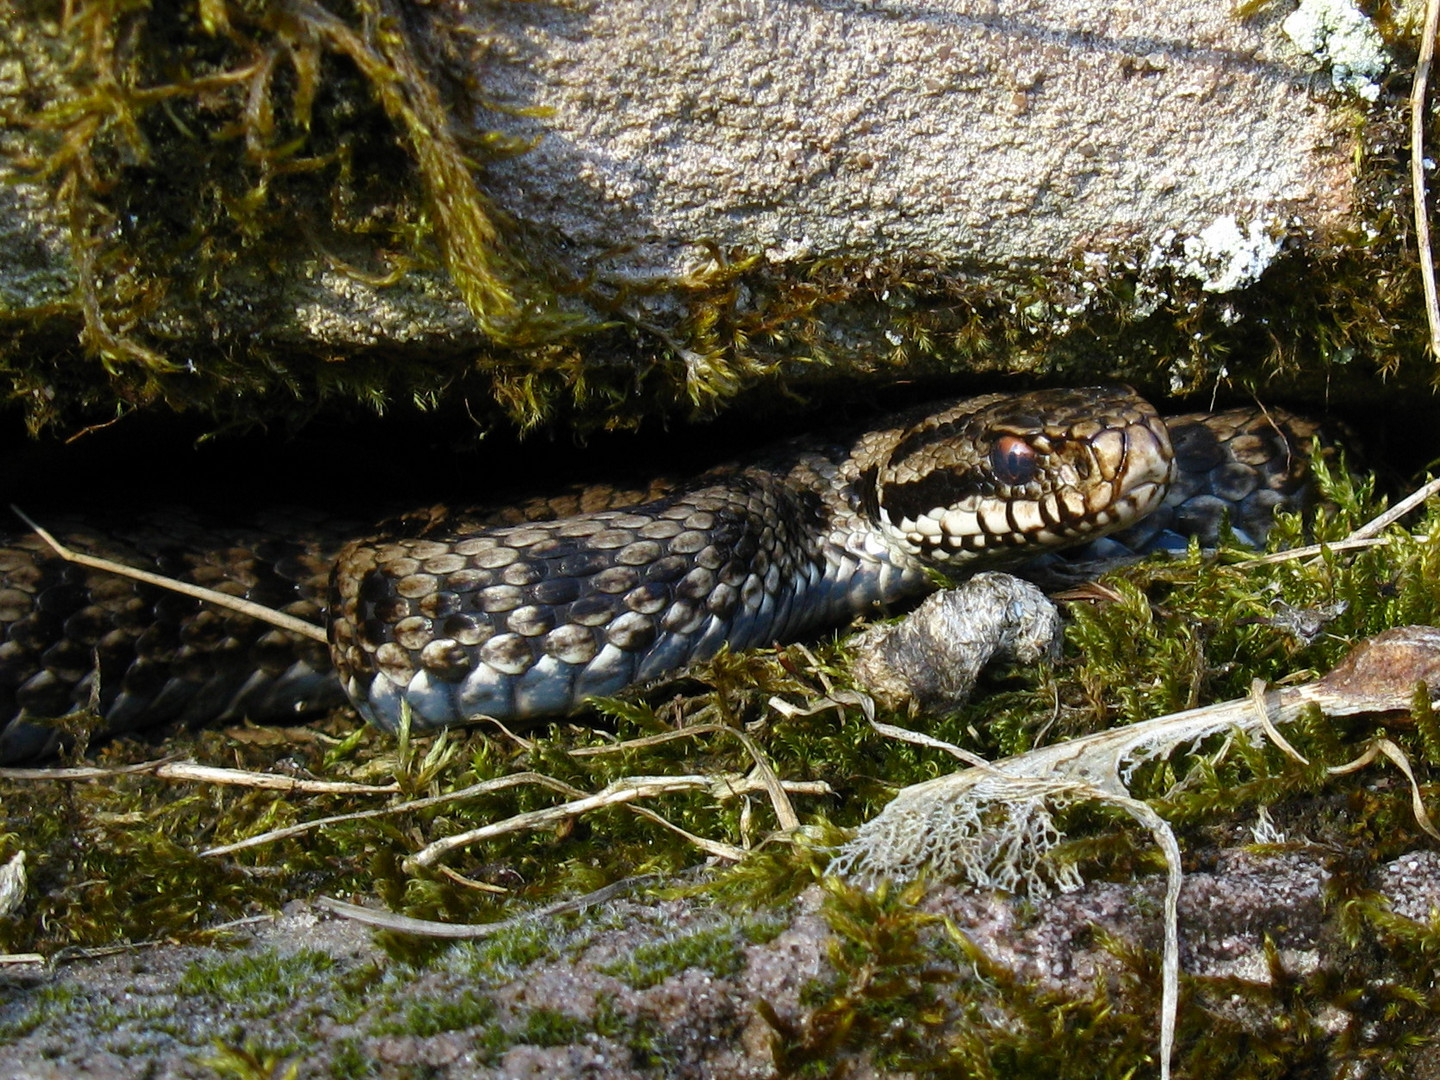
[260,983]
[883,995]
[189,141]
[432,1014]
[252,1062]
[23,1014]
[550,1027]
[640,1034]
[719,950]
[350,1061]
[503,956]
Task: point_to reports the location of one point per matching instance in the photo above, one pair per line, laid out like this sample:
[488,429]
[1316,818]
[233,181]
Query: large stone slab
[948,183]
[987,132]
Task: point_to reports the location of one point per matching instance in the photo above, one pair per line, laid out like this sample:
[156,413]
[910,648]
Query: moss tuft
[259,984]
[430,1015]
[719,950]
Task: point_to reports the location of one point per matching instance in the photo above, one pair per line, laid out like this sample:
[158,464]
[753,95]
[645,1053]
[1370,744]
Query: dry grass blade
[482,788]
[290,785]
[784,811]
[1417,171]
[470,883]
[1262,714]
[1363,537]
[1382,747]
[899,734]
[717,848]
[403,924]
[204,774]
[648,740]
[618,793]
[209,596]
[1170,961]
[83,772]
[1396,512]
[1312,551]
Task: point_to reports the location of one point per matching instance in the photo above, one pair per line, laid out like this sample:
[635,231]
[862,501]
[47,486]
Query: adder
[526,612]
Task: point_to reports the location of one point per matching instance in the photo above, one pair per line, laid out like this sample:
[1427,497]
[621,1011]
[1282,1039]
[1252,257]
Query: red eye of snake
[1012,460]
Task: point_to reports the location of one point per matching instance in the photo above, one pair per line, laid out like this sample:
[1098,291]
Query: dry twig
[403,924]
[1363,537]
[482,788]
[198,592]
[1417,171]
[167,769]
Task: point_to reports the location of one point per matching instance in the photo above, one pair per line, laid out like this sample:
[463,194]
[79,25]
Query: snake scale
[525,613]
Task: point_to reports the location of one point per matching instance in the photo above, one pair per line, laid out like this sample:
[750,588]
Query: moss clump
[23,1014]
[495,959]
[259,984]
[883,995]
[188,142]
[550,1027]
[430,1015]
[719,950]
[252,1062]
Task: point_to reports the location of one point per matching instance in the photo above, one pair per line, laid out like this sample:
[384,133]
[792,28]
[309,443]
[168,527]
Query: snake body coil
[529,620]
[460,617]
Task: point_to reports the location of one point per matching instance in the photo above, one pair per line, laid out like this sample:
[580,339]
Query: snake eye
[1012,460]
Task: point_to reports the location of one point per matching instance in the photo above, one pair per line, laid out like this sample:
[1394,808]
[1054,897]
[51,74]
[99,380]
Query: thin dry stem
[717,848]
[209,596]
[403,924]
[1417,171]
[483,788]
[1363,537]
[189,771]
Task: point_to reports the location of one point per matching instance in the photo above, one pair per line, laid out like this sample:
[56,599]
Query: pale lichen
[1337,33]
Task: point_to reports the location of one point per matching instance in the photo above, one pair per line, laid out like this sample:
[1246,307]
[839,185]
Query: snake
[527,612]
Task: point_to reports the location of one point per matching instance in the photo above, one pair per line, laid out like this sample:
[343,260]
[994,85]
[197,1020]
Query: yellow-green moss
[117,861]
[189,142]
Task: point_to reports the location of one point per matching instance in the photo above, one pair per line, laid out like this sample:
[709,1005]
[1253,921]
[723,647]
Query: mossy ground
[325,136]
[120,860]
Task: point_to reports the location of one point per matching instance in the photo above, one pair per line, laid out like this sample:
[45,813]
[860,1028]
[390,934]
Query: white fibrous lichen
[999,835]
[1337,33]
[1226,257]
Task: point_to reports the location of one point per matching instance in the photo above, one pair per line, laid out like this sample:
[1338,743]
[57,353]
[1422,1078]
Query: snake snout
[1134,467]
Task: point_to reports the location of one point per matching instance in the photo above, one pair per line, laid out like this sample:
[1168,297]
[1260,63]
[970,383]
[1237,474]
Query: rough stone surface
[975,134]
[127,1015]
[997,132]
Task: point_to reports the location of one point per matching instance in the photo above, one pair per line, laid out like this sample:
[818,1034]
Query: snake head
[1005,476]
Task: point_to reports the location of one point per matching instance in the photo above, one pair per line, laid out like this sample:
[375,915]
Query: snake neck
[530,620]
[855,566]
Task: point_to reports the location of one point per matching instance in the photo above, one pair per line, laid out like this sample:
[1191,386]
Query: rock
[975,132]
[711,194]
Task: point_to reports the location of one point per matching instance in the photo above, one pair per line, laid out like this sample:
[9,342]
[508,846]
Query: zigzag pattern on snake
[524,613]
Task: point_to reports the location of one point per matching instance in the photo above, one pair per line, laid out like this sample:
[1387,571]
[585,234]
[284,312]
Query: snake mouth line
[1142,476]
[1130,471]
